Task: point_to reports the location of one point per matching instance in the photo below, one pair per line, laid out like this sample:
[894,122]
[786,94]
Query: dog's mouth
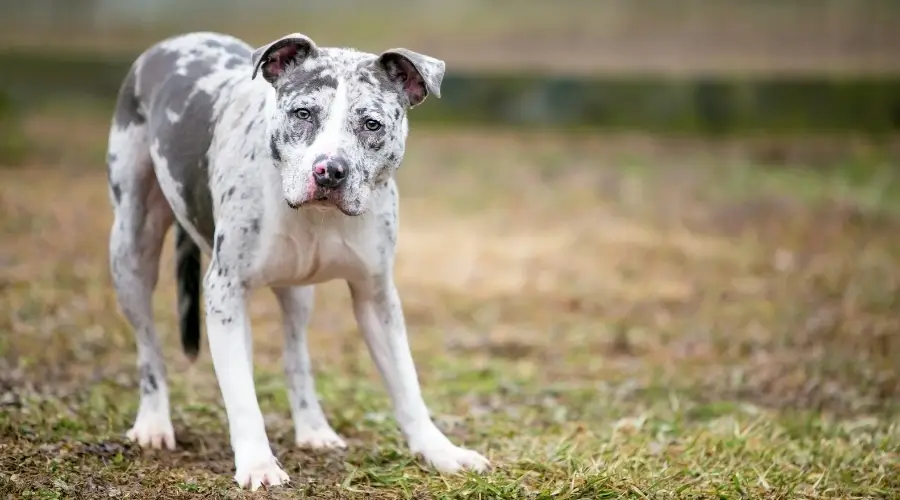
[321,201]
[325,200]
[322,197]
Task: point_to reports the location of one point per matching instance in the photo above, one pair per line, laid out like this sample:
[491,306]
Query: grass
[603,317]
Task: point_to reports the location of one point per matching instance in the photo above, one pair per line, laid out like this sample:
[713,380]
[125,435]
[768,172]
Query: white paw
[319,439]
[152,431]
[448,458]
[263,473]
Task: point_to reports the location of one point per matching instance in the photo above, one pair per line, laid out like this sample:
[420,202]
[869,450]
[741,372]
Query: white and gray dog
[285,181]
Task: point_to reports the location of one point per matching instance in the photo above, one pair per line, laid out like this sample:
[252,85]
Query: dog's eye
[302,113]
[372,125]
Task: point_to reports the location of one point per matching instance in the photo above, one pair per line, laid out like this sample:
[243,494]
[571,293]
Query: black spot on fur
[128,106]
[219,239]
[255,225]
[148,381]
[305,82]
[117,192]
[234,62]
[273,148]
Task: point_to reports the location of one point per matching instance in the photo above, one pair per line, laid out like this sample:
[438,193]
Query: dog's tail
[187,275]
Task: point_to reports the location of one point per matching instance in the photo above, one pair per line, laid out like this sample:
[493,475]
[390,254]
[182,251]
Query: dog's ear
[417,74]
[275,58]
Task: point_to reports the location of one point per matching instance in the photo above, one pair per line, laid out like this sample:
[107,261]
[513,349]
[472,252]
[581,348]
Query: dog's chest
[304,251]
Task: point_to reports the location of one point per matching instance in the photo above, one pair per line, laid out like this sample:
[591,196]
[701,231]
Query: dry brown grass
[604,318]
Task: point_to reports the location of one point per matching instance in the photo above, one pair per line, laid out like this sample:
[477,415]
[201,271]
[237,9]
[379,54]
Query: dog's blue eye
[372,125]
[302,113]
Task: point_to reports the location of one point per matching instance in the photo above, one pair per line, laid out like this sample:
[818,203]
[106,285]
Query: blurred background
[682,66]
[616,206]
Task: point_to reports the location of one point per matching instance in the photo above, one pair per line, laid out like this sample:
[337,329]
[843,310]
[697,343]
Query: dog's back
[174,87]
[159,144]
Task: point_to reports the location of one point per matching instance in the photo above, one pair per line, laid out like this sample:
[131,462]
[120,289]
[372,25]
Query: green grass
[603,317]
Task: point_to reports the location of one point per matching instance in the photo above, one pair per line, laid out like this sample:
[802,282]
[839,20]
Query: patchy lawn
[601,317]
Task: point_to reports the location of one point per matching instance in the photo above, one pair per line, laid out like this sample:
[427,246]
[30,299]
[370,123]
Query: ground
[602,316]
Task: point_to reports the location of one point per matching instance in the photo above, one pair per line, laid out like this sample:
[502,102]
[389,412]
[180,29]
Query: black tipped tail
[187,275]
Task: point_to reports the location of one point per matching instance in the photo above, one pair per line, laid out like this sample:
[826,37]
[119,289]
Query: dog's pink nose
[320,168]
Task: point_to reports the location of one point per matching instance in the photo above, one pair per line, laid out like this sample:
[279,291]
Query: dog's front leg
[311,428]
[228,327]
[379,314]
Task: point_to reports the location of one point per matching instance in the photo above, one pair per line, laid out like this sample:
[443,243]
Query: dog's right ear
[275,58]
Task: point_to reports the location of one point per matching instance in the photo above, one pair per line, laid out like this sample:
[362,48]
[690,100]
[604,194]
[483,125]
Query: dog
[278,163]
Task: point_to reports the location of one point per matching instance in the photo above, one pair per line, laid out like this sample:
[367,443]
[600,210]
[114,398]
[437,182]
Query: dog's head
[338,127]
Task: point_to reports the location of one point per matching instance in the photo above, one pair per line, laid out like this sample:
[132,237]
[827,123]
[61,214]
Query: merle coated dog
[278,163]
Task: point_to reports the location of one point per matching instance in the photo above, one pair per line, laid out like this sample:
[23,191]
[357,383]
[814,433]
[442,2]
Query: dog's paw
[264,473]
[153,432]
[319,439]
[448,458]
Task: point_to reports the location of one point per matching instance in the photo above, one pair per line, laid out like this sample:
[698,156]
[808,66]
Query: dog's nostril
[319,169]
[338,173]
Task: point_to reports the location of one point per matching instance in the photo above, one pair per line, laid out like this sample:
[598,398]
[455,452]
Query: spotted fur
[227,143]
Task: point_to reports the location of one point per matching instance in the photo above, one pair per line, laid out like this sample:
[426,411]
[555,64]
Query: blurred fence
[711,66]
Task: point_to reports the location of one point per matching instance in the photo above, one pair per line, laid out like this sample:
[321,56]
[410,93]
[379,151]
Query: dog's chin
[326,204]
[350,209]
[352,213]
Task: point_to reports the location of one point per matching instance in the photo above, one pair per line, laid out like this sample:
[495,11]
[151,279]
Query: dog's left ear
[276,57]
[417,74]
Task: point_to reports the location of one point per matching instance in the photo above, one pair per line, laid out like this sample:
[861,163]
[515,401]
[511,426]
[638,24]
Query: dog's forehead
[357,70]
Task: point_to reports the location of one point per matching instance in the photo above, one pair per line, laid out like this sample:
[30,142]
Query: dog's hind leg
[311,428]
[142,217]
